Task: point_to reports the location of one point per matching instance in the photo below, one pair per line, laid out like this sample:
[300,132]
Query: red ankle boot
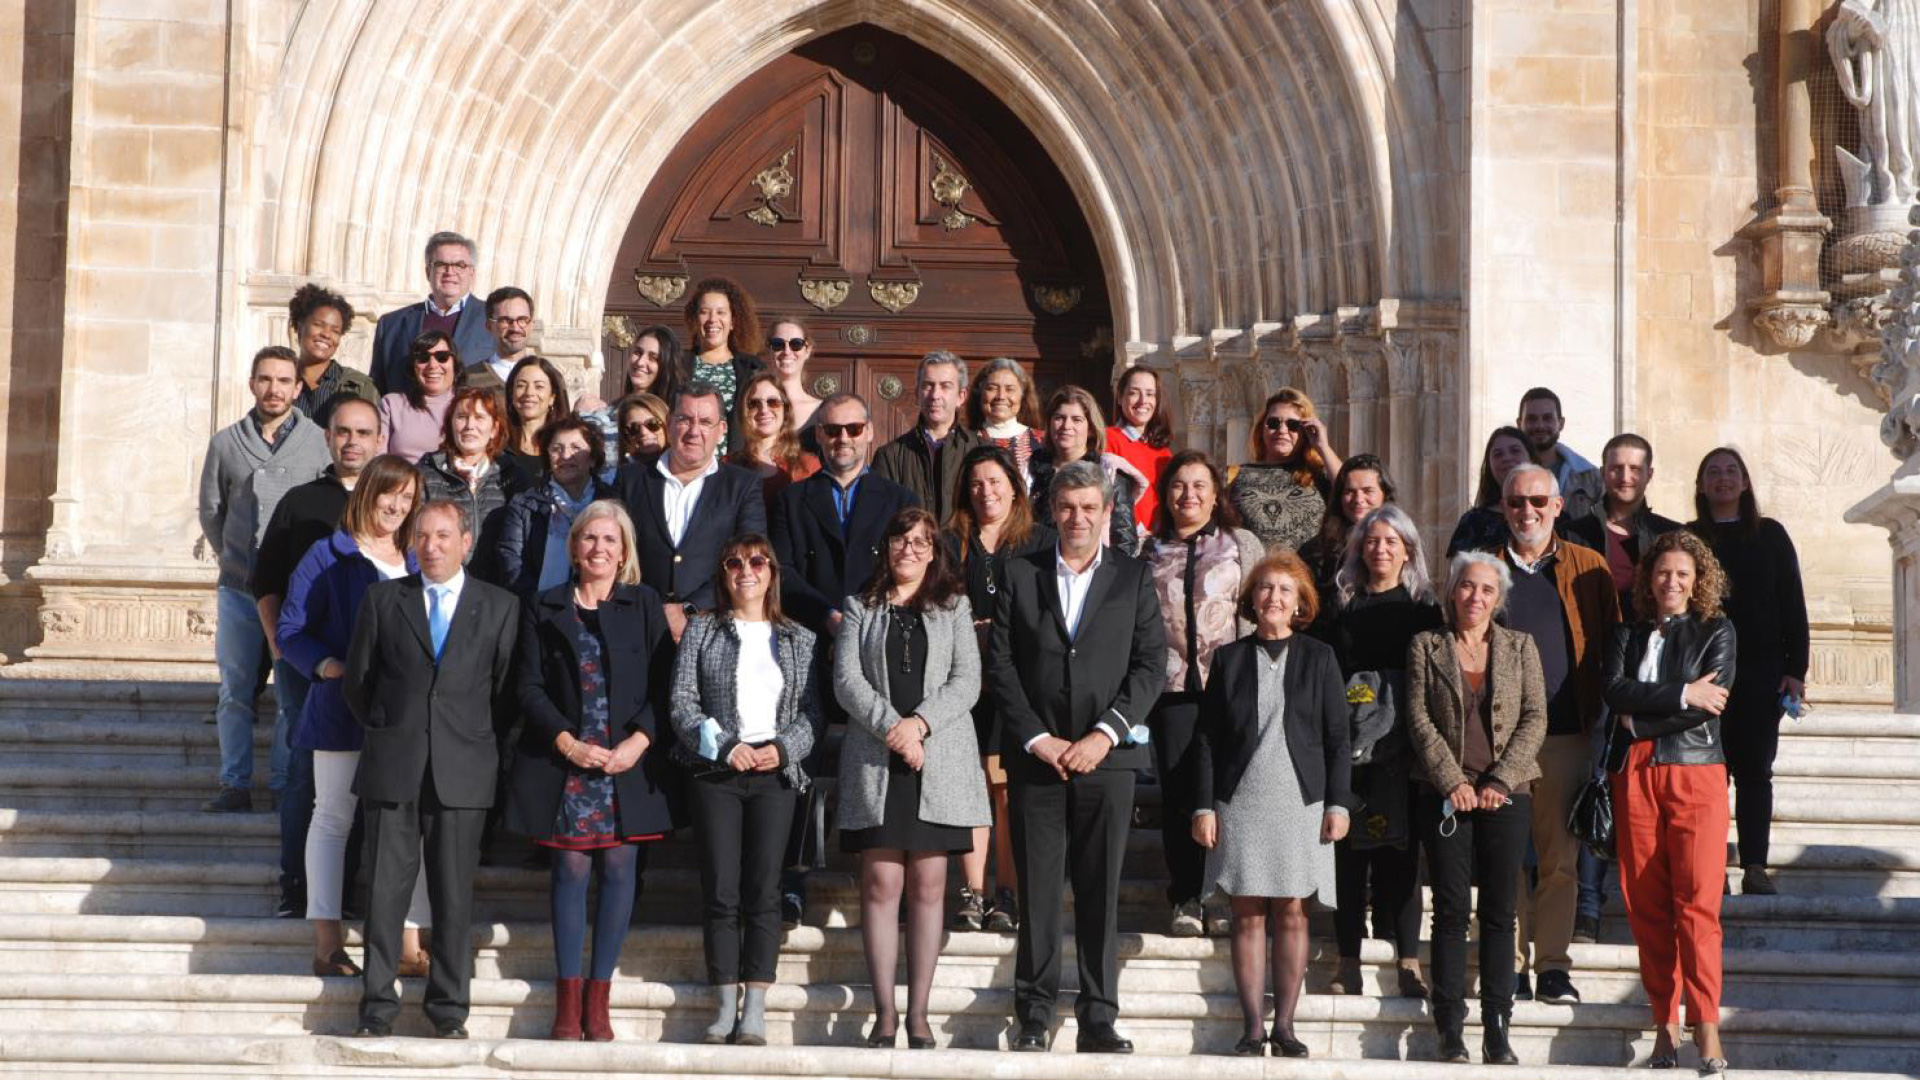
[598,1027]
[566,1010]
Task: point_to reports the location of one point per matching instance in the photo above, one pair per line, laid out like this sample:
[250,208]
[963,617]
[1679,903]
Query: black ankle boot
[1453,1043]
[1494,1048]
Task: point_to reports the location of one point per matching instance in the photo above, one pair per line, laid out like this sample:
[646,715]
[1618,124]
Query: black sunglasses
[1275,423]
[1519,502]
[796,344]
[437,356]
[634,427]
[852,431]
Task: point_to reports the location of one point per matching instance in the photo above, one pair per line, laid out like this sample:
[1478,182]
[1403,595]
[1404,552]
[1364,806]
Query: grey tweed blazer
[704,682]
[953,788]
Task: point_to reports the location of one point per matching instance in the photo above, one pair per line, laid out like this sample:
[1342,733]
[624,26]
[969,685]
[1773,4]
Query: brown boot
[598,1027]
[566,1010]
[1346,980]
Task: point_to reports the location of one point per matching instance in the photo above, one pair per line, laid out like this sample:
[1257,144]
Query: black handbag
[1590,819]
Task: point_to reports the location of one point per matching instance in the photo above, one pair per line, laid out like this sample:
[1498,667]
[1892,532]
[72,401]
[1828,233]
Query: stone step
[158,887]
[1605,973]
[271,1057]
[837,1014]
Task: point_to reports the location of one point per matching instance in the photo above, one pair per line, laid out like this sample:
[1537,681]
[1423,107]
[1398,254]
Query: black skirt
[900,826]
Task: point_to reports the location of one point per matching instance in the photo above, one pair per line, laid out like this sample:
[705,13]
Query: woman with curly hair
[722,327]
[319,319]
[1667,681]
[1282,493]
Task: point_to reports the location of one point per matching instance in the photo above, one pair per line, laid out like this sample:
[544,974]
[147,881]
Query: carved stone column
[1792,306]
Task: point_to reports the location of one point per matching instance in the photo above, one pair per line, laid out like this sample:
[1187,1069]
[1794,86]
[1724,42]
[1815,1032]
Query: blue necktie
[437,618]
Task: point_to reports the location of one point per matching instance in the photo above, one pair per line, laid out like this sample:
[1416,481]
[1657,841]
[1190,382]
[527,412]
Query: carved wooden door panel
[888,201]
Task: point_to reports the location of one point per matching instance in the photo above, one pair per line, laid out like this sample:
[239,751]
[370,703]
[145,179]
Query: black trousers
[399,835]
[1075,828]
[1176,766]
[1485,850]
[740,821]
[1391,875]
[1750,731]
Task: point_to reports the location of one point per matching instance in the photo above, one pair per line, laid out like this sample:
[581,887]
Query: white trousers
[333,806]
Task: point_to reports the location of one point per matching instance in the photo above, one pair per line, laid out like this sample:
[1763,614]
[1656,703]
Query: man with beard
[1542,419]
[510,321]
[1563,596]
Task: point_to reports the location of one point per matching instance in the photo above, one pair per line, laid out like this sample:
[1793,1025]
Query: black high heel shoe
[878,1041]
[1251,1046]
[1285,1045]
[919,1042]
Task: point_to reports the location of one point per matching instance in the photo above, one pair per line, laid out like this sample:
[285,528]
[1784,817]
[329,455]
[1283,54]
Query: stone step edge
[136,931]
[307,1055]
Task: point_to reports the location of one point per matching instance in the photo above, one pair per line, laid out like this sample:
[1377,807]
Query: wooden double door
[878,194]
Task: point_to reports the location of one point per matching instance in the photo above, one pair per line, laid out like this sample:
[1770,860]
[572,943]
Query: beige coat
[1437,705]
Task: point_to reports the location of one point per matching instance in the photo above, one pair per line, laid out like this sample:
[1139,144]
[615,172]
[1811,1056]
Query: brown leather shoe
[415,967]
[339,965]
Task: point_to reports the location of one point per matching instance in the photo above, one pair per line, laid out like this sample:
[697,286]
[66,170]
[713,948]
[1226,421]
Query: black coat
[304,516]
[729,505]
[419,714]
[820,568]
[1692,649]
[1045,683]
[1643,528]
[520,549]
[1768,604]
[638,656]
[1318,733]
[486,506]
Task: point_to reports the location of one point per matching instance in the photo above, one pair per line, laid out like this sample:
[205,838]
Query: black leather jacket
[1693,649]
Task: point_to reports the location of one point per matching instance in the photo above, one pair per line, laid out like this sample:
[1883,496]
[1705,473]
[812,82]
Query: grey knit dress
[1269,841]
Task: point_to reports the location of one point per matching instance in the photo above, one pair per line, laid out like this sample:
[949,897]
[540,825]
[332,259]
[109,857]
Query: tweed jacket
[953,789]
[704,689]
[1436,707]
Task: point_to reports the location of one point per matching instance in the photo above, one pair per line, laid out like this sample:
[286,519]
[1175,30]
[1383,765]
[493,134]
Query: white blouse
[757,682]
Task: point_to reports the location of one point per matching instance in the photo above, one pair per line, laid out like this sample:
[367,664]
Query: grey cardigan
[704,687]
[953,789]
[243,479]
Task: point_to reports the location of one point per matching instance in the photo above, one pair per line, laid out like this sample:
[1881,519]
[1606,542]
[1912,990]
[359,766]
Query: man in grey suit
[430,655]
[452,263]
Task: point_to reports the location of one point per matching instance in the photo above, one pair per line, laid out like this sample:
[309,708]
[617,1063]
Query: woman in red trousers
[1666,681]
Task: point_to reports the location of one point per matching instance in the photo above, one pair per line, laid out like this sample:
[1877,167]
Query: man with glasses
[451,263]
[687,503]
[926,460]
[1563,596]
[826,530]
[510,321]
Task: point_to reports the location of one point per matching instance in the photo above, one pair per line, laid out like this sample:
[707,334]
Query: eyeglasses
[1519,502]
[460,266]
[796,344]
[768,403]
[635,427]
[736,563]
[518,322]
[919,545]
[1275,423]
[437,356]
[852,431]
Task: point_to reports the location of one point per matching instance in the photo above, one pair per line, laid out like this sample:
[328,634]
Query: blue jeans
[240,652]
[296,795]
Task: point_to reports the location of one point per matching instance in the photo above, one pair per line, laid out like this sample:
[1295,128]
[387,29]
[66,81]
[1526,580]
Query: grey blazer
[704,689]
[953,788]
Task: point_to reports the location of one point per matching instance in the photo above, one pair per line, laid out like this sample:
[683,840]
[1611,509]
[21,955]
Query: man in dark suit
[430,656]
[449,306]
[687,503]
[826,531]
[1077,657]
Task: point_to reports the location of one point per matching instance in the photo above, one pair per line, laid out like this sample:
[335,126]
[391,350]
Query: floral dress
[589,813]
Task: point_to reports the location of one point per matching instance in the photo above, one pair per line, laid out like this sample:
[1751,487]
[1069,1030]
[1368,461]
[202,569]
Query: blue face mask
[1448,823]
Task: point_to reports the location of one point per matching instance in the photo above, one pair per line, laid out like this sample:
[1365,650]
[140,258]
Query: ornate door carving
[879,194]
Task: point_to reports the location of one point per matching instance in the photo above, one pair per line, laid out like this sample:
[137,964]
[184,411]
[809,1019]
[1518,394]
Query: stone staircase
[136,937]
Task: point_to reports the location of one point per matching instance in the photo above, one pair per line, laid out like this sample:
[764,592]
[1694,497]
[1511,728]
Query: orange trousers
[1670,831]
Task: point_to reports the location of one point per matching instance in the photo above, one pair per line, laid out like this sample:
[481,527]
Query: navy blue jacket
[729,504]
[316,621]
[819,566]
[397,329]
[522,546]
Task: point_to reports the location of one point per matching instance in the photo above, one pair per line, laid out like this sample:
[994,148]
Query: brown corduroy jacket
[1586,590]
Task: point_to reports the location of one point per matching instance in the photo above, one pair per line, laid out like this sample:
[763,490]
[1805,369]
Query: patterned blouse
[588,817]
[1284,514]
[720,377]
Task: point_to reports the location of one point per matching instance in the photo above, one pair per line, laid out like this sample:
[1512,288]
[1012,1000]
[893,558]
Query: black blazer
[818,568]
[1692,649]
[638,661]
[729,505]
[1044,683]
[1318,735]
[419,714]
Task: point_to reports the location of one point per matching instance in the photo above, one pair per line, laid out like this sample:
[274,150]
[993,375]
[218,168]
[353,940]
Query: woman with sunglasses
[1282,493]
[536,397]
[1484,526]
[415,417]
[788,350]
[768,444]
[906,668]
[653,367]
[1477,717]
[745,715]
[643,426]
[470,470]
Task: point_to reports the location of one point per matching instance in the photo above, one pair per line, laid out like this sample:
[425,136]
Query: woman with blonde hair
[591,780]
[1282,492]
[768,443]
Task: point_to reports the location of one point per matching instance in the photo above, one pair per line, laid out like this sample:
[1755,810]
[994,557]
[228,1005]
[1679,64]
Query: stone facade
[1412,209]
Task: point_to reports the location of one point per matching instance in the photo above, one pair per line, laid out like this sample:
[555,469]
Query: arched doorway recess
[872,189]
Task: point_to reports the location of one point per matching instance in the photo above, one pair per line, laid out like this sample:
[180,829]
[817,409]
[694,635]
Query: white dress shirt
[1073,601]
[677,500]
[757,682]
[1650,669]
[501,367]
[451,601]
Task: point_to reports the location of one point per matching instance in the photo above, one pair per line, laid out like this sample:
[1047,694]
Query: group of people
[652,616]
